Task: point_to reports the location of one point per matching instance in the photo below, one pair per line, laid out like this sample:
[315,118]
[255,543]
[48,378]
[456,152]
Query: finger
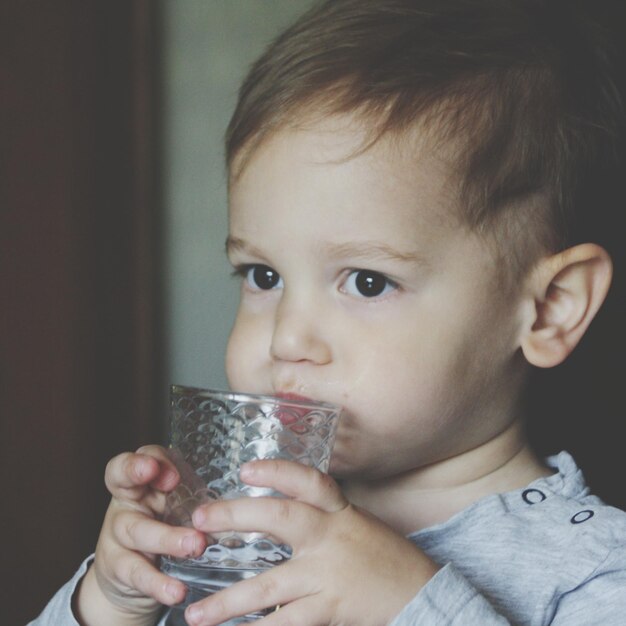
[277,586]
[291,521]
[168,476]
[139,575]
[128,474]
[297,481]
[307,611]
[135,531]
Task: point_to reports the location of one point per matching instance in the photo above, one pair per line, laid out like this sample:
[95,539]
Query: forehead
[334,161]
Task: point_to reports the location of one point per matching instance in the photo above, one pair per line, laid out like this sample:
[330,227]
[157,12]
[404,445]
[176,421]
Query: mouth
[291,415]
[297,407]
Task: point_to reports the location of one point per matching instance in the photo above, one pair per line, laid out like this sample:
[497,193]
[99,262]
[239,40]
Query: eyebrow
[372,250]
[234,244]
[364,250]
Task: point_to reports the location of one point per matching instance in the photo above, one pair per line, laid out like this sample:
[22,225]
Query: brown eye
[368,284]
[263,277]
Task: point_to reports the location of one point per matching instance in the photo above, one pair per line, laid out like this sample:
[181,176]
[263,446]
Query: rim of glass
[242,396]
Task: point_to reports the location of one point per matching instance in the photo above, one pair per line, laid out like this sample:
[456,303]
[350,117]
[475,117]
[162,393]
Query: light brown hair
[522,87]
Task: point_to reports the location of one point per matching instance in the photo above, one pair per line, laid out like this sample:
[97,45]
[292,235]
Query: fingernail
[190,544]
[140,468]
[169,478]
[199,516]
[247,470]
[193,614]
[173,591]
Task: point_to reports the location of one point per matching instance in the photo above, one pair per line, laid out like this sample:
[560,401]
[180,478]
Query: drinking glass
[212,433]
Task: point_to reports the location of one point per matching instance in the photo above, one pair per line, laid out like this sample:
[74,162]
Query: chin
[341,469]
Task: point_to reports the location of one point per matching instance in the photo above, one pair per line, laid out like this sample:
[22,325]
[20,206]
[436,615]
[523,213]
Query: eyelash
[370,279]
[377,283]
[245,271]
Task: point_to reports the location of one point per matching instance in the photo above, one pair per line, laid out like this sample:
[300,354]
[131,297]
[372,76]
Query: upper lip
[288,395]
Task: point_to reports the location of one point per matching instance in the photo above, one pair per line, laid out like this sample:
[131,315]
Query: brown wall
[79,295]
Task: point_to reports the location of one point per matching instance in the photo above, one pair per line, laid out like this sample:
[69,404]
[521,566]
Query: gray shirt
[547,554]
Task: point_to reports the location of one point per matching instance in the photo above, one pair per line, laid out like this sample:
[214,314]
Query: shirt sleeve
[601,599]
[58,611]
[449,599]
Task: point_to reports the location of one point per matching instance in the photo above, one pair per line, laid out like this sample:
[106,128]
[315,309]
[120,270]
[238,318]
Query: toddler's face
[359,287]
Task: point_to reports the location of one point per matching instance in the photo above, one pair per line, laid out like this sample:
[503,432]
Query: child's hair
[520,89]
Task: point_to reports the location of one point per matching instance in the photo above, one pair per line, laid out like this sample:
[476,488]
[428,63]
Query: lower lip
[292,415]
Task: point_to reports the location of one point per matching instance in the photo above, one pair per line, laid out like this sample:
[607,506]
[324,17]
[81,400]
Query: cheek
[411,375]
[247,353]
[397,378]
[239,350]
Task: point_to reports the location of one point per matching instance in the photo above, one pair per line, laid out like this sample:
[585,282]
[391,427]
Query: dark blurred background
[84,356]
[80,232]
[579,405]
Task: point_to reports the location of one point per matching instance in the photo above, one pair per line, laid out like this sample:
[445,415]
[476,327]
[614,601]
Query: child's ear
[568,288]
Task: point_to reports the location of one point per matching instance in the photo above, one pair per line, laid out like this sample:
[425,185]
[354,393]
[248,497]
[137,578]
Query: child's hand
[124,585]
[347,567]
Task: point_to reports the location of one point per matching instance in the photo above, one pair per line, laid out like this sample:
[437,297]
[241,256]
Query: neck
[432,494]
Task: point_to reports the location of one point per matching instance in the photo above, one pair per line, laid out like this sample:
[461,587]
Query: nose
[299,332]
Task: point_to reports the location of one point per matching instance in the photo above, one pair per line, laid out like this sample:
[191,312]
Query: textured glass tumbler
[212,434]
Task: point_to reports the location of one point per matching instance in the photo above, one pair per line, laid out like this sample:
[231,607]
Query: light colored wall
[208,46]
